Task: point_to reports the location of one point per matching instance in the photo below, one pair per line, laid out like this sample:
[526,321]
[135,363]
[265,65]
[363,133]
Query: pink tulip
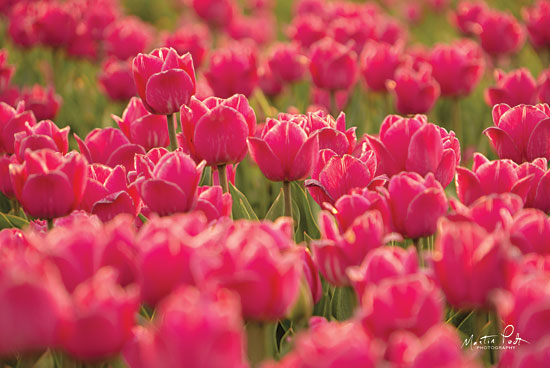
[55,24]
[246,28]
[389,30]
[232,70]
[47,184]
[513,88]
[326,100]
[332,132]
[457,67]
[410,302]
[10,95]
[217,13]
[284,152]
[104,314]
[414,145]
[355,30]
[337,251]
[5,181]
[486,177]
[98,15]
[6,70]
[311,274]
[221,123]
[468,15]
[21,24]
[116,79]
[213,202]
[268,82]
[333,66]
[83,44]
[537,21]
[530,355]
[306,30]
[544,86]
[520,132]
[45,134]
[109,146]
[127,37]
[141,127]
[194,328]
[500,33]
[416,203]
[170,185]
[540,184]
[164,80]
[379,61]
[469,263]
[530,230]
[414,88]
[491,212]
[287,62]
[13,121]
[332,345]
[43,102]
[193,39]
[34,306]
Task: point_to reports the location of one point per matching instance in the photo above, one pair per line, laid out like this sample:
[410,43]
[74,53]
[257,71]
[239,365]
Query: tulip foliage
[275,184]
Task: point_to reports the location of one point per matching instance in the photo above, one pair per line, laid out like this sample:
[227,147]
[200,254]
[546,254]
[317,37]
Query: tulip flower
[193,39]
[141,127]
[469,263]
[13,121]
[246,28]
[520,133]
[194,328]
[116,79]
[486,177]
[49,185]
[537,21]
[45,134]
[414,145]
[287,62]
[544,86]
[232,70]
[103,317]
[109,146]
[355,30]
[216,130]
[529,231]
[217,13]
[306,30]
[414,88]
[170,185]
[43,102]
[270,84]
[332,132]
[213,202]
[457,68]
[468,15]
[513,88]
[540,184]
[379,61]
[127,37]
[500,33]
[411,302]
[21,24]
[5,182]
[55,24]
[416,203]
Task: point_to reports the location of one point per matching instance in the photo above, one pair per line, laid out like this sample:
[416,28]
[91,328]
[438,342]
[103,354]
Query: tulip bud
[537,21]
[193,39]
[379,61]
[513,88]
[45,134]
[116,79]
[13,121]
[500,33]
[127,37]
[468,15]
[332,65]
[43,102]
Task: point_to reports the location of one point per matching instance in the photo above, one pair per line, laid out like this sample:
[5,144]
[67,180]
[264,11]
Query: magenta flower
[537,21]
[530,230]
[193,39]
[543,82]
[55,24]
[21,24]
[216,129]
[332,132]
[164,80]
[306,30]
[127,37]
[513,88]
[379,61]
[213,202]
[6,70]
[537,197]
[414,145]
[468,15]
[45,134]
[269,83]
[284,152]
[500,33]
[287,62]
[13,121]
[333,66]
[43,102]
[521,132]
[5,182]
[48,184]
[117,80]
[217,13]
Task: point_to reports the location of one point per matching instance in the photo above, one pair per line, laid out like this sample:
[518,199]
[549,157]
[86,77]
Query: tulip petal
[305,159]
[542,196]
[112,205]
[167,91]
[163,197]
[386,163]
[424,211]
[468,187]
[47,195]
[144,66]
[503,144]
[269,164]
[125,156]
[538,144]
[447,167]
[425,150]
[522,187]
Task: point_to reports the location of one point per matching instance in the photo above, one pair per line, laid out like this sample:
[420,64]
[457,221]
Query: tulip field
[274,183]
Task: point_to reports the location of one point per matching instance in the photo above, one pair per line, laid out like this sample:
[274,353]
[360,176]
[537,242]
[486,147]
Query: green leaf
[206,178]
[308,223]
[143,218]
[9,221]
[277,209]
[344,303]
[241,208]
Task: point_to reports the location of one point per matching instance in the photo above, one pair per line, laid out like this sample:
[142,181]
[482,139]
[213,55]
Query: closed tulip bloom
[414,88]
[537,21]
[333,66]
[414,145]
[521,132]
[116,79]
[284,152]
[500,33]
[213,202]
[467,15]
[55,24]
[5,181]
[268,82]
[164,80]
[530,230]
[416,204]
[513,88]
[233,69]
[287,62]
[306,30]
[127,37]
[109,146]
[141,127]
[103,316]
[411,302]
[49,185]
[457,67]
[216,129]
[43,102]
[13,121]
[486,177]
[540,184]
[544,86]
[193,328]
[217,13]
[45,134]
[246,28]
[170,185]
[469,263]
[332,132]
[379,61]
[193,39]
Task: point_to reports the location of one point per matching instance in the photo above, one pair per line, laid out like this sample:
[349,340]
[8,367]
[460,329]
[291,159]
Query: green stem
[50,224]
[260,337]
[222,175]
[288,199]
[418,245]
[333,107]
[171,120]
